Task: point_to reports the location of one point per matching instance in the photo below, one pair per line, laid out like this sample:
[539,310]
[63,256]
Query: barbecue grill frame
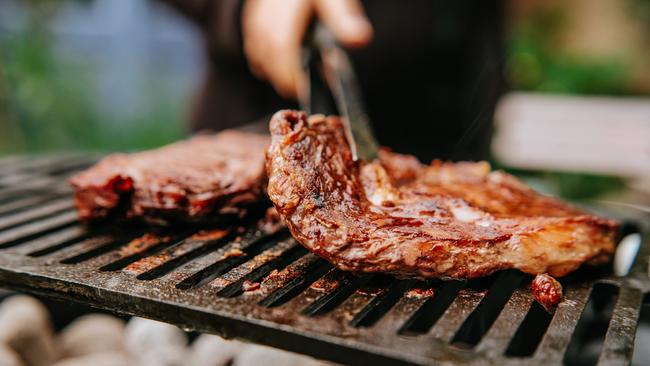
[328,336]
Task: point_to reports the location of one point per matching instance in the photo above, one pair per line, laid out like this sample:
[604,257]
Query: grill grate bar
[10,162]
[44,211]
[17,165]
[140,248]
[60,240]
[42,164]
[12,179]
[30,231]
[25,203]
[40,185]
[497,339]
[69,249]
[619,340]
[558,335]
[530,331]
[394,319]
[64,170]
[95,249]
[314,269]
[381,304]
[481,319]
[290,255]
[462,306]
[359,299]
[316,289]
[344,288]
[173,257]
[272,285]
[228,260]
[428,314]
[13,195]
[68,167]
[187,270]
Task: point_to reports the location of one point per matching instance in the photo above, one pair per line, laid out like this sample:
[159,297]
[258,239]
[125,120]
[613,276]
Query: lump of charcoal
[26,328]
[93,333]
[211,350]
[155,343]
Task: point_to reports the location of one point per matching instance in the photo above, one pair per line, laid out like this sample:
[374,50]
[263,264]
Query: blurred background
[119,75]
[102,75]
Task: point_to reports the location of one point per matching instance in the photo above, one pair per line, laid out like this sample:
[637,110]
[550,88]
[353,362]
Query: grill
[260,285]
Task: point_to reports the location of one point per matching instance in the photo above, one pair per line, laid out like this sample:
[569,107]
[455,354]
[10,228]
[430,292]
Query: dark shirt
[430,78]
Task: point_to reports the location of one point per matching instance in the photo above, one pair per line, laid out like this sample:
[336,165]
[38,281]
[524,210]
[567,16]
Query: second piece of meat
[199,179]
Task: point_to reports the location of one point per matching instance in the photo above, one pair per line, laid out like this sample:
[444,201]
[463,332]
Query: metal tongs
[333,89]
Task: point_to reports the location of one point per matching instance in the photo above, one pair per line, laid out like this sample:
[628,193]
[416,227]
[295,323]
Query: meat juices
[198,179]
[399,216]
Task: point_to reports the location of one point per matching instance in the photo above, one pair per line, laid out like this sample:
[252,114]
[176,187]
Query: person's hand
[273,31]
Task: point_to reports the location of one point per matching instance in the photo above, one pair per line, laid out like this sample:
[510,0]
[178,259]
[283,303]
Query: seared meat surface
[546,291]
[399,216]
[194,180]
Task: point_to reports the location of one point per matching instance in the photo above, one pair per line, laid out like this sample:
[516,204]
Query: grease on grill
[150,262]
[328,283]
[277,278]
[420,292]
[245,268]
[144,242]
[248,286]
[209,235]
[147,263]
[232,252]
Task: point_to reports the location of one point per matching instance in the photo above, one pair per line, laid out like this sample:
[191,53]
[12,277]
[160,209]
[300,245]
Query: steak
[399,216]
[200,179]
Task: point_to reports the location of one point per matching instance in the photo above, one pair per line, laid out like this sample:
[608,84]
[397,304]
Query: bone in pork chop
[399,216]
[199,179]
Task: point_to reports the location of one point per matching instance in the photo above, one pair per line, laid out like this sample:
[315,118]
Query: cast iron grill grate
[257,283]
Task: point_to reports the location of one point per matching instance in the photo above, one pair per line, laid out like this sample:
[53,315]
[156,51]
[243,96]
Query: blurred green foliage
[575,186]
[534,64]
[641,8]
[583,186]
[48,102]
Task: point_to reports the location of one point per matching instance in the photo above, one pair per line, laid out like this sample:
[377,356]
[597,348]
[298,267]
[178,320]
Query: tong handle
[317,99]
[338,92]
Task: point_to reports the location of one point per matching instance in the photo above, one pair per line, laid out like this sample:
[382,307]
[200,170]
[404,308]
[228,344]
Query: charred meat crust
[399,216]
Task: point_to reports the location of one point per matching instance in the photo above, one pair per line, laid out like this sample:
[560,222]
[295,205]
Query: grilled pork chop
[398,216]
[195,180]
